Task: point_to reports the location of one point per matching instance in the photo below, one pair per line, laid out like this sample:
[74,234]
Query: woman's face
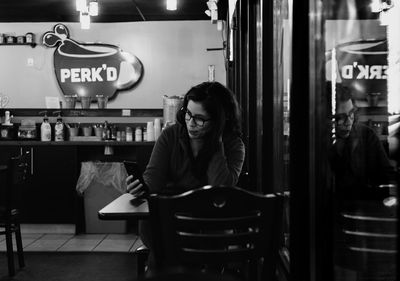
[198,122]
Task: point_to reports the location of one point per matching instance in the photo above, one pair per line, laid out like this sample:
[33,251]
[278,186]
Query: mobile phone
[133,168]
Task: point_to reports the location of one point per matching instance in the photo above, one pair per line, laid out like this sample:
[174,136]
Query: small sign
[126,112]
[52,102]
[87,70]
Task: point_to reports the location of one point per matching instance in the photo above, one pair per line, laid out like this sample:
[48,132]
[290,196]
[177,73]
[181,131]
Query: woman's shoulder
[172,131]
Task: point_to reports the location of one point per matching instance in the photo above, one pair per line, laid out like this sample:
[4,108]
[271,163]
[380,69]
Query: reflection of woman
[203,148]
[357,156]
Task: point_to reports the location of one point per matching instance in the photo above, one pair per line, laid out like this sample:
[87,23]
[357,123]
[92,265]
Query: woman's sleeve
[156,174]
[227,162]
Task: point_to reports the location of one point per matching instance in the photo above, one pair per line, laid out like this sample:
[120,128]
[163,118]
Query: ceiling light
[85,20]
[214,16]
[171,5]
[80,5]
[212,5]
[375,6]
[93,8]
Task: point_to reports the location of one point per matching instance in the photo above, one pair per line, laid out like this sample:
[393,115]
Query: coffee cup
[85,102]
[87,69]
[70,101]
[101,101]
[362,66]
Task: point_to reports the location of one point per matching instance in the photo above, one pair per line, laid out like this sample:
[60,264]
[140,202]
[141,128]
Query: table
[122,209]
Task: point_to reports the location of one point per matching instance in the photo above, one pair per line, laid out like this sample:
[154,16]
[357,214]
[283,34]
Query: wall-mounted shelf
[95,112]
[33,45]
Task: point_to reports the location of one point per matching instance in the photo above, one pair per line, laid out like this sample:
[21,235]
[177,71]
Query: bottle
[105,130]
[138,134]
[157,128]
[211,73]
[45,128]
[59,128]
[144,134]
[129,134]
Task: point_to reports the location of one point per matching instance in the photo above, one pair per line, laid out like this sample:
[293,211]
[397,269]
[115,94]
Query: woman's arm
[226,164]
[156,174]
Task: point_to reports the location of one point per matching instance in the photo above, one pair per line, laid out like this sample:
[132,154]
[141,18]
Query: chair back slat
[214,225]
[194,223]
[231,238]
[368,235]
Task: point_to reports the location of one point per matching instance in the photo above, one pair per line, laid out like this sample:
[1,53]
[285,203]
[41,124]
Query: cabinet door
[50,196]
[6,152]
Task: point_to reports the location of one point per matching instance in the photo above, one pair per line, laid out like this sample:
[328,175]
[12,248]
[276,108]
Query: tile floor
[44,238]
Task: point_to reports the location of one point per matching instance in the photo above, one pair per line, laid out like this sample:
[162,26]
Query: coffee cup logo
[363,66]
[87,70]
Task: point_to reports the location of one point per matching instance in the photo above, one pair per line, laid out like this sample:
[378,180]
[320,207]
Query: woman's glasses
[342,118]
[199,121]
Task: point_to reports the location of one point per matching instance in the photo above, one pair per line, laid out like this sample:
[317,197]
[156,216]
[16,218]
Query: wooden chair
[216,226]
[15,175]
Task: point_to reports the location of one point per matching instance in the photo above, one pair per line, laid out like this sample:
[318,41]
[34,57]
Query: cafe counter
[50,195]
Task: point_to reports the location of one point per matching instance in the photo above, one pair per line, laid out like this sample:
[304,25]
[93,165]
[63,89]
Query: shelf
[33,45]
[73,143]
[95,112]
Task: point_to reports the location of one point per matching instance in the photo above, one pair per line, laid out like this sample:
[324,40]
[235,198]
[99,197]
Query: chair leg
[141,262]
[10,252]
[20,250]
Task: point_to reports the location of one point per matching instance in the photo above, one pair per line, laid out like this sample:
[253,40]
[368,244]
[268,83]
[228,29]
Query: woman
[203,148]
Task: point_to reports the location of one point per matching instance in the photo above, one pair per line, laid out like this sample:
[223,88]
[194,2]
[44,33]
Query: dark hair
[220,103]
[222,106]
[343,93]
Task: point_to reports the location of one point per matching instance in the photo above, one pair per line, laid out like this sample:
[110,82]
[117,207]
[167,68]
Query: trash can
[100,183]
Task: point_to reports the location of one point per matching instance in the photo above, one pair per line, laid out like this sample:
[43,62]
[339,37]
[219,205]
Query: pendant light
[171,5]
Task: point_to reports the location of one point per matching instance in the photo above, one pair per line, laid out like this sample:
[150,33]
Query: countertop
[73,143]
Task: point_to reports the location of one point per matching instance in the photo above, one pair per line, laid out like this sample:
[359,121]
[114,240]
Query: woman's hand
[134,187]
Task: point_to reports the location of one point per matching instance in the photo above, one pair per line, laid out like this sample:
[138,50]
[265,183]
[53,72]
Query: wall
[173,54]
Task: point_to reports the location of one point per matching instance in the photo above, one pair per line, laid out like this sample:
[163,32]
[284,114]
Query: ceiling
[109,10]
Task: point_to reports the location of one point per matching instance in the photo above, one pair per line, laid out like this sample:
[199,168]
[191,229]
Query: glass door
[362,73]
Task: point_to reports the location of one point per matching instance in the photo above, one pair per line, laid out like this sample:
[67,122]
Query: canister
[29,37]
[21,39]
[10,39]
[129,134]
[138,134]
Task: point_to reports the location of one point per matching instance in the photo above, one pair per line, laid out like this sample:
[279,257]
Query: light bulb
[85,20]
[171,5]
[212,5]
[93,8]
[80,5]
[375,6]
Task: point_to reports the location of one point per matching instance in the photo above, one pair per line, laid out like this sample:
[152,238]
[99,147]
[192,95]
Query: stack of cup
[150,131]
[70,101]
[157,128]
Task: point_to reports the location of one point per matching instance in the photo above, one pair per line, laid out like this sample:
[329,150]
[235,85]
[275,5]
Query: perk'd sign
[87,70]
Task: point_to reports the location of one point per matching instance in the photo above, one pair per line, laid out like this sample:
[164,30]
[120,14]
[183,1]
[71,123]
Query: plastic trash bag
[109,174]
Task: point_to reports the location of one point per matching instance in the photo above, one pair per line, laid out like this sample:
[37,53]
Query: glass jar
[129,134]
